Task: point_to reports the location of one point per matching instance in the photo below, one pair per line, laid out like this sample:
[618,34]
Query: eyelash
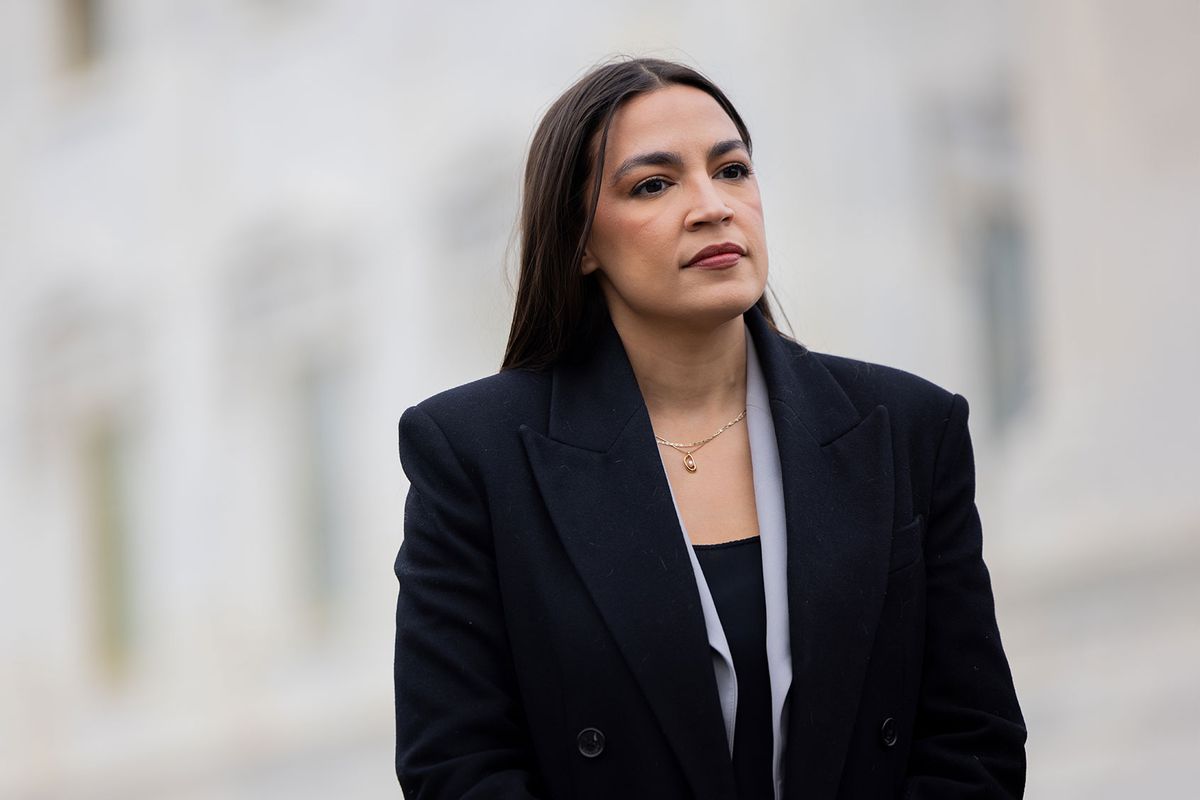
[746,170]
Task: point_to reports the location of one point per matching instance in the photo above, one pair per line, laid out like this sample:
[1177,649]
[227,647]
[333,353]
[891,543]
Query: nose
[708,205]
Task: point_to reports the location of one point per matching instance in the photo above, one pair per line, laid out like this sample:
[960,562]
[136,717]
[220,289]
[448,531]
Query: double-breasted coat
[550,641]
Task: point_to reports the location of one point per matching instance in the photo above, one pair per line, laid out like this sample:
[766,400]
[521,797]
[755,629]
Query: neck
[688,376]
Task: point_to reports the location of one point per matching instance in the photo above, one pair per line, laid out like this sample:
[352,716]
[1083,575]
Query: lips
[724,254]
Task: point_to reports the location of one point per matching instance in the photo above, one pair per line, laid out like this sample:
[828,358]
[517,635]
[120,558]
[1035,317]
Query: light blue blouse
[772,528]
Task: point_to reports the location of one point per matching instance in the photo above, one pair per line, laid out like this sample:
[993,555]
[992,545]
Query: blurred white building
[239,237]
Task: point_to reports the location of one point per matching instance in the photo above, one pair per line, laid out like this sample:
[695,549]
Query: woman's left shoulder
[907,396]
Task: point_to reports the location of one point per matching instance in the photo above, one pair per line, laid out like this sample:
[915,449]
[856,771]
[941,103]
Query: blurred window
[81,32]
[106,511]
[321,415]
[289,331]
[1003,282]
[982,172]
[85,386]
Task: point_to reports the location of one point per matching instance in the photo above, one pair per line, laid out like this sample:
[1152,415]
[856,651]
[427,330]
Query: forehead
[674,118]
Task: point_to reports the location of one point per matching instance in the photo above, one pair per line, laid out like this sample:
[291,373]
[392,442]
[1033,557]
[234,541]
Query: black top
[734,574]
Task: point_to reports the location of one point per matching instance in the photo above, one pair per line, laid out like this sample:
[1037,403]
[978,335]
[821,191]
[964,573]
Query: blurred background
[239,237]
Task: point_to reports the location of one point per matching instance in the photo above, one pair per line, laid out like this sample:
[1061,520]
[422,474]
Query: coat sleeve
[460,732]
[969,737]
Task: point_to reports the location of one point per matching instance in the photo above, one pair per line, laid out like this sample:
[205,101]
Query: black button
[591,742]
[887,732]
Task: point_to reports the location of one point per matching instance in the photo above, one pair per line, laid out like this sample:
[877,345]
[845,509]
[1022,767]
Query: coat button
[887,732]
[591,742]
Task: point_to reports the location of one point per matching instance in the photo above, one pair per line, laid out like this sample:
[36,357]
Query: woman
[600,597]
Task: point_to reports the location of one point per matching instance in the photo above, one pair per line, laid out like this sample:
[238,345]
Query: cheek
[654,240]
[754,225]
[753,210]
[636,246]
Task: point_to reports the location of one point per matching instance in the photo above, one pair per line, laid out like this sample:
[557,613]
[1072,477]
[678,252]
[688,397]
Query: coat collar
[599,471]
[594,399]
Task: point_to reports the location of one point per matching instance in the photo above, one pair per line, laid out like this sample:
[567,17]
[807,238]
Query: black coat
[550,641]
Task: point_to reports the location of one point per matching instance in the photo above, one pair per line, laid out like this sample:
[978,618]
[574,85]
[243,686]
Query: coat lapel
[838,495]
[600,475]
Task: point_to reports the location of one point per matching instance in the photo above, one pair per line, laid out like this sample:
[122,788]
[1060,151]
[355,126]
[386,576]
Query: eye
[735,171]
[650,187]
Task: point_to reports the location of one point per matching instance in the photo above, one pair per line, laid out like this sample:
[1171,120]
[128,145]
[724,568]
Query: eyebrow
[663,158]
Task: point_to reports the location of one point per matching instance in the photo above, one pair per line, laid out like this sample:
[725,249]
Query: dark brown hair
[559,309]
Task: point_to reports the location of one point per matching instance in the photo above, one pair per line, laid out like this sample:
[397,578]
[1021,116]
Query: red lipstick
[717,256]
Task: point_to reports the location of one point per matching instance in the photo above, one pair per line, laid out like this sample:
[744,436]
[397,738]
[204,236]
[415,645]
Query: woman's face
[676,180]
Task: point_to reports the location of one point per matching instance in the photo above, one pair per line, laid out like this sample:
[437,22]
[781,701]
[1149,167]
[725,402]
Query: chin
[704,308]
[719,308]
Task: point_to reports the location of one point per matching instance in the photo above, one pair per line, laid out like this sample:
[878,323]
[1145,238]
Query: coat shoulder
[501,390]
[482,409]
[908,397]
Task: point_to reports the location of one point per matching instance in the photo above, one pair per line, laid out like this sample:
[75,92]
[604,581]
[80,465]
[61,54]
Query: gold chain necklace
[689,463]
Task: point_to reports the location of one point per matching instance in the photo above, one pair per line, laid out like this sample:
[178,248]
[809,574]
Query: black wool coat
[550,641]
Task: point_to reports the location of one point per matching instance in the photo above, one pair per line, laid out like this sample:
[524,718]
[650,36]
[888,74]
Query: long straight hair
[559,310]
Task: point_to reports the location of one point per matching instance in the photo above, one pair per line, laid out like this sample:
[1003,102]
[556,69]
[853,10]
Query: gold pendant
[689,463]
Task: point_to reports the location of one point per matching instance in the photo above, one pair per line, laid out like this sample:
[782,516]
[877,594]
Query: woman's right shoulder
[480,410]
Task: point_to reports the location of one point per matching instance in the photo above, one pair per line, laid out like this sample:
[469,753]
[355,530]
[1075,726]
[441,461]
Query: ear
[588,264]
